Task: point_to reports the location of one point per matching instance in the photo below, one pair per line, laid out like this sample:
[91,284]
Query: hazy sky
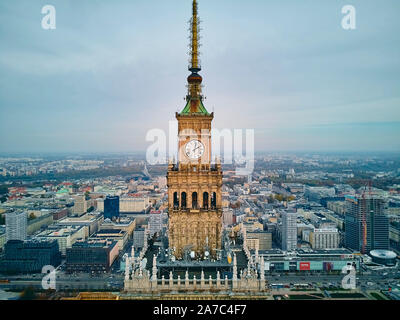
[112,70]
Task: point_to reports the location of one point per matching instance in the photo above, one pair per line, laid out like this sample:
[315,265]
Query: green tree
[31,216]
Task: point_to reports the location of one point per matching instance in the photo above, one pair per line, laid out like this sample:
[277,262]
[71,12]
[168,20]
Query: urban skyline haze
[111,71]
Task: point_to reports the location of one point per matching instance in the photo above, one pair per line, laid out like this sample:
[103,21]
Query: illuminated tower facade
[194,183]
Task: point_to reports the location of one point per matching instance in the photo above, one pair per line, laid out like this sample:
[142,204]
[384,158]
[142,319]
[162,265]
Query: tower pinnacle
[194,36]
[194,97]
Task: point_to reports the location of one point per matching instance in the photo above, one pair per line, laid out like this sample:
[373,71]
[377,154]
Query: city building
[39,223]
[3,238]
[126,224]
[139,237]
[111,207]
[134,205]
[100,204]
[16,225]
[91,256]
[90,221]
[66,236]
[327,238]
[384,257]
[228,218]
[338,207]
[264,240]
[120,236]
[366,224]
[60,214]
[308,260]
[29,256]
[155,222]
[80,205]
[289,230]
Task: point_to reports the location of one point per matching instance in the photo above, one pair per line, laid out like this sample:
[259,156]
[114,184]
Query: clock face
[194,149]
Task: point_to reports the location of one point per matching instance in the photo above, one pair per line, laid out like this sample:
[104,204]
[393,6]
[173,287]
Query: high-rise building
[289,230]
[194,183]
[366,224]
[111,207]
[16,225]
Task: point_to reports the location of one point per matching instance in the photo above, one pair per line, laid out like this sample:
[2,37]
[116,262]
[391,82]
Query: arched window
[205,200]
[194,200]
[183,200]
[214,201]
[176,200]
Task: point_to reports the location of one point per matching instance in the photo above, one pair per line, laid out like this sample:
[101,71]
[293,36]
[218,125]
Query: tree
[3,190]
[32,216]
[28,294]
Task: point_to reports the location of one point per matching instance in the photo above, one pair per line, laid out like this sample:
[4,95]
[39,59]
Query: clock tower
[194,182]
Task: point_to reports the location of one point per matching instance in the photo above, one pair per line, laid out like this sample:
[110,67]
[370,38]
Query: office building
[91,256]
[366,224]
[66,236]
[155,222]
[289,230]
[326,238]
[264,239]
[132,205]
[120,236]
[16,225]
[29,256]
[111,207]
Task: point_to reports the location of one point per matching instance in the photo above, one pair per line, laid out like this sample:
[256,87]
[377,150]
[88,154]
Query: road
[375,280]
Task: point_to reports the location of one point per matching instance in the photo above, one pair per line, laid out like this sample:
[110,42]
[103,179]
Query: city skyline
[109,73]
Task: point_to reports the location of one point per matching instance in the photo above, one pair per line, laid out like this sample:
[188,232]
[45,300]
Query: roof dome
[195,78]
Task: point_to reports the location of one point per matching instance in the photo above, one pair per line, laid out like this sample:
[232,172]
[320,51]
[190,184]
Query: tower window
[205,200]
[176,200]
[183,200]
[194,200]
[214,201]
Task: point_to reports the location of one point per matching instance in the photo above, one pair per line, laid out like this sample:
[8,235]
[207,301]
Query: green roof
[201,109]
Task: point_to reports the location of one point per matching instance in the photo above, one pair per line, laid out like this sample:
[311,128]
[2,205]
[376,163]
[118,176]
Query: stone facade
[141,281]
[194,193]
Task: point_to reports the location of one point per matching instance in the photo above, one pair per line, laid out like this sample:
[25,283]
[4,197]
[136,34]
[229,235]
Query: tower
[367,225]
[194,183]
[16,225]
[289,230]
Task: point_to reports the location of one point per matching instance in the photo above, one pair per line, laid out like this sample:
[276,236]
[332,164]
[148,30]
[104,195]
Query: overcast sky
[112,70]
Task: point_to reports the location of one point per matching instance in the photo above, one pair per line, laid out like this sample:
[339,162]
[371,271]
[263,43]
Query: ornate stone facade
[141,281]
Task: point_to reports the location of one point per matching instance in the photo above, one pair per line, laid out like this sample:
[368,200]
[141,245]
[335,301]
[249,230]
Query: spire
[194,36]
[194,97]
